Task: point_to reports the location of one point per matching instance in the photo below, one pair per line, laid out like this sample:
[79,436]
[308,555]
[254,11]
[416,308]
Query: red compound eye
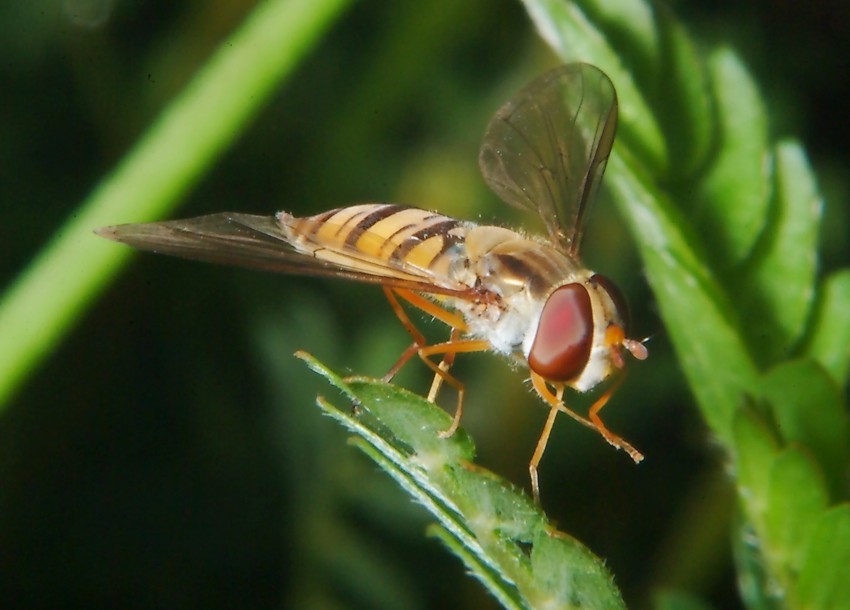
[564,336]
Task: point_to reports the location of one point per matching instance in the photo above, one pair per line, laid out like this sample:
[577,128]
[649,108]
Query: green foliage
[734,271]
[735,276]
[726,220]
[188,137]
[678,600]
[828,342]
[502,537]
[823,576]
[734,192]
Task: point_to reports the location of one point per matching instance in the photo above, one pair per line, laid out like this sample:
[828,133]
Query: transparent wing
[546,149]
[257,242]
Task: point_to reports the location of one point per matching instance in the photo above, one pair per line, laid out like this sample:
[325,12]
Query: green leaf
[683,92]
[493,506]
[575,38]
[484,519]
[758,588]
[762,235]
[823,582]
[484,573]
[778,287]
[697,315]
[809,410]
[755,451]
[797,495]
[499,515]
[829,342]
[587,585]
[670,599]
[631,23]
[418,425]
[735,193]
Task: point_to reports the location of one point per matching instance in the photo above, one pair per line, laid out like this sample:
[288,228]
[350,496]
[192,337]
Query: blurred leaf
[632,22]
[778,286]
[695,310]
[796,497]
[41,304]
[683,91]
[736,191]
[349,562]
[678,600]
[823,583]
[809,410]
[829,343]
[484,519]
[574,38]
[755,450]
[783,490]
[713,324]
[759,590]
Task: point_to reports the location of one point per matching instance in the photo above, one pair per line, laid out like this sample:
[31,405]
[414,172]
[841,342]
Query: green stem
[43,302]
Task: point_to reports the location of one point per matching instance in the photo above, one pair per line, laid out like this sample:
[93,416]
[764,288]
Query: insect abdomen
[392,234]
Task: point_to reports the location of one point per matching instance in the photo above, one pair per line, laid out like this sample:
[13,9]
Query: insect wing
[257,242]
[546,149]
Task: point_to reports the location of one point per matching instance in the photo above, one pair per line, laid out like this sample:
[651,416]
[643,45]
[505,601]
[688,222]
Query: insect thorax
[520,273]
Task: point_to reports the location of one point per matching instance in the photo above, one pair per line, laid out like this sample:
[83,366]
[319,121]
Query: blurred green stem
[42,303]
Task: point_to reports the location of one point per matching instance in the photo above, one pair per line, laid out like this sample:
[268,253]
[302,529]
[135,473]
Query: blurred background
[169,453]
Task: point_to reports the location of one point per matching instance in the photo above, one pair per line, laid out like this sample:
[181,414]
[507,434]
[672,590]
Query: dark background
[168,454]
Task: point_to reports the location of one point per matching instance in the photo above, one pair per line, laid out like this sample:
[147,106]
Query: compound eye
[561,347]
[621,308]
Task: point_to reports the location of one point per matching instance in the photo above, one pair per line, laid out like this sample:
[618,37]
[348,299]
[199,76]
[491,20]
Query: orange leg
[406,355]
[418,338]
[429,307]
[555,401]
[609,436]
[419,346]
[446,363]
[449,349]
[538,453]
[419,341]
[457,324]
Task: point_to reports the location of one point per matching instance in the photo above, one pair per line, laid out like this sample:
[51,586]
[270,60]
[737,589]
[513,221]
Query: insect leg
[445,364]
[555,400]
[418,338]
[556,404]
[538,453]
[429,307]
[595,422]
[456,323]
[449,349]
[609,436]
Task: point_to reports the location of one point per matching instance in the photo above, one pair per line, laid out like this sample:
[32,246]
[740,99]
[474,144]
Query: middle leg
[448,349]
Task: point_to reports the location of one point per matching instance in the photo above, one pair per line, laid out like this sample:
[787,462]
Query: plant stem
[43,302]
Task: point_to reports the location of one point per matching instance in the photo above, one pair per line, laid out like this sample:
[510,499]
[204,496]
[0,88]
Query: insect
[528,298]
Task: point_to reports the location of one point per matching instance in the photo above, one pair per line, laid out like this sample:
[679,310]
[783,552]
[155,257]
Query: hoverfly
[528,298]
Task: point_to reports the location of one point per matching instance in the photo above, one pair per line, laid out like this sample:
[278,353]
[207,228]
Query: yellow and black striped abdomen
[388,236]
